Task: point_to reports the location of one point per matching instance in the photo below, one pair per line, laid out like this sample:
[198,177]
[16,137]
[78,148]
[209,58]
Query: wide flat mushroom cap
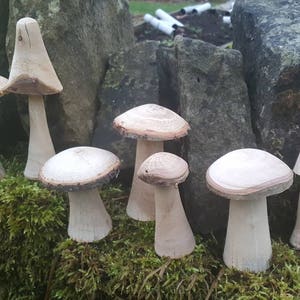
[79,168]
[151,122]
[244,172]
[31,72]
[163,168]
[297,166]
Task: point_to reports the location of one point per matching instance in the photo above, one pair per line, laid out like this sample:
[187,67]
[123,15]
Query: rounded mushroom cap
[244,172]
[79,168]
[163,168]
[31,71]
[151,122]
[297,166]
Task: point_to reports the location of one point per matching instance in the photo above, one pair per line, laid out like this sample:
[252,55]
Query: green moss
[38,261]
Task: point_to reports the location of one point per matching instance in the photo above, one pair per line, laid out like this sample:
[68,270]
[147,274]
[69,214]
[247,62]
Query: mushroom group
[247,177]
[151,125]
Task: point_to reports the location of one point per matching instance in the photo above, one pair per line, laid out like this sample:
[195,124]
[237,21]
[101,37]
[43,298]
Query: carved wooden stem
[173,235]
[248,243]
[40,144]
[141,200]
[89,220]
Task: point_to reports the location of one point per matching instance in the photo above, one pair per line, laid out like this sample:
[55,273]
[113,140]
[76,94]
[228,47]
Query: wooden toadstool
[295,237]
[79,171]
[173,235]
[33,74]
[247,177]
[151,125]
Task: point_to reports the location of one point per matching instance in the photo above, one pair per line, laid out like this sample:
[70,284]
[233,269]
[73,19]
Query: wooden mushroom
[173,235]
[247,177]
[295,237]
[79,171]
[151,125]
[32,74]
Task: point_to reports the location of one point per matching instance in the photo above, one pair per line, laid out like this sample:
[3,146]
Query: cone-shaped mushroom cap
[151,122]
[31,72]
[163,168]
[79,168]
[297,166]
[3,82]
[245,172]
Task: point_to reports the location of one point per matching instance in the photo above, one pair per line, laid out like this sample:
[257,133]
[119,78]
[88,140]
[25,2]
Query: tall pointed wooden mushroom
[151,125]
[32,74]
[295,237]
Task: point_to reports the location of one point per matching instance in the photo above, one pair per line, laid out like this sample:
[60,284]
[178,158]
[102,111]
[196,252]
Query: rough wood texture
[248,175]
[151,122]
[79,168]
[164,168]
[141,199]
[40,147]
[173,235]
[31,71]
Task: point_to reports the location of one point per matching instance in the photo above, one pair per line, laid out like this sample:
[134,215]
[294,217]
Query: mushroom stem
[248,243]
[173,235]
[89,220]
[141,199]
[40,144]
[295,237]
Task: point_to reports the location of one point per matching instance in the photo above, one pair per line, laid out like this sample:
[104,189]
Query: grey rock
[267,33]
[3,29]
[130,81]
[169,89]
[214,100]
[10,127]
[79,37]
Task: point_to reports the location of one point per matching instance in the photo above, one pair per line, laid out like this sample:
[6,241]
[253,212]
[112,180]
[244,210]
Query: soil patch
[207,26]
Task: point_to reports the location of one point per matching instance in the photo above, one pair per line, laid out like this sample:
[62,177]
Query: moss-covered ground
[38,261]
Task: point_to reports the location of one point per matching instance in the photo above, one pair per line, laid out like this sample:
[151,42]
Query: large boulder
[214,100]
[131,80]
[267,33]
[79,36]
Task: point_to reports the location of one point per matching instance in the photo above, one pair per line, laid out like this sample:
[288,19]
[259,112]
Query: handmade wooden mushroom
[32,74]
[247,177]
[295,237]
[173,235]
[79,171]
[151,125]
